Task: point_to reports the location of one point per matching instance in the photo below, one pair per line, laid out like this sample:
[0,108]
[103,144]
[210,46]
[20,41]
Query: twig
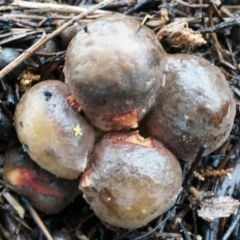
[18,37]
[147,235]
[232,7]
[184,230]
[222,25]
[216,44]
[35,47]
[37,219]
[52,7]
[7,8]
[193,20]
[188,179]
[25,16]
[192,5]
[225,161]
[232,226]
[54,16]
[15,204]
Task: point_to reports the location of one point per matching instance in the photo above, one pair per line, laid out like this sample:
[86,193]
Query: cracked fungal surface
[195,107]
[131,180]
[55,136]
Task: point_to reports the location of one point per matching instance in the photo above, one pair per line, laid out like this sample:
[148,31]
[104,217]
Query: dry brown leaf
[179,35]
[217,207]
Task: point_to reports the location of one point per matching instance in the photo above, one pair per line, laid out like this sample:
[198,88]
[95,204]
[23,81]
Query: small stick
[168,215]
[52,7]
[232,227]
[15,204]
[184,230]
[25,16]
[36,46]
[222,25]
[37,219]
[195,164]
[18,37]
[232,7]
[54,16]
[7,8]
[216,44]
[201,5]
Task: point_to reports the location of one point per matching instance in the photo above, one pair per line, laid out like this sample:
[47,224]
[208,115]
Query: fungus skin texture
[55,136]
[131,180]
[195,107]
[46,192]
[113,68]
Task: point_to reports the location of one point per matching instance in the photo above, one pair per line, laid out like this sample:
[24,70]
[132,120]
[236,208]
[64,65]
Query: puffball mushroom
[55,136]
[114,68]
[7,55]
[131,180]
[46,192]
[7,130]
[195,107]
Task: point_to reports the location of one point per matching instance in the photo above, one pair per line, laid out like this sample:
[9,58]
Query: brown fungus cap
[113,67]
[57,138]
[131,181]
[195,107]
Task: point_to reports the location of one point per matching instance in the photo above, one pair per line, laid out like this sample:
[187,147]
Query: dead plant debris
[212,207]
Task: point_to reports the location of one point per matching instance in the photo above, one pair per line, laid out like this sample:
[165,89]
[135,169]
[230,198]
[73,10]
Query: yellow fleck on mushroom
[77,130]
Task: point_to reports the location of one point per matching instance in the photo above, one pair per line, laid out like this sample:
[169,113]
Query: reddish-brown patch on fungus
[107,198]
[216,117]
[72,102]
[136,138]
[128,120]
[25,177]
[86,179]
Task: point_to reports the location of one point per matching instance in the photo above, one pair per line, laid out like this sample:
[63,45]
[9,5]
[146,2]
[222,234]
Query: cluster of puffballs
[118,78]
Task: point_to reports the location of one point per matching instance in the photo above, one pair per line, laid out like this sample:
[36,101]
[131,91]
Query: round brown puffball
[131,181]
[113,67]
[195,107]
[7,55]
[68,34]
[55,136]
[46,192]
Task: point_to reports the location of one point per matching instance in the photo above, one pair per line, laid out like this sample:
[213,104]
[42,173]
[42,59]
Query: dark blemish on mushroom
[107,198]
[85,29]
[47,95]
[21,124]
